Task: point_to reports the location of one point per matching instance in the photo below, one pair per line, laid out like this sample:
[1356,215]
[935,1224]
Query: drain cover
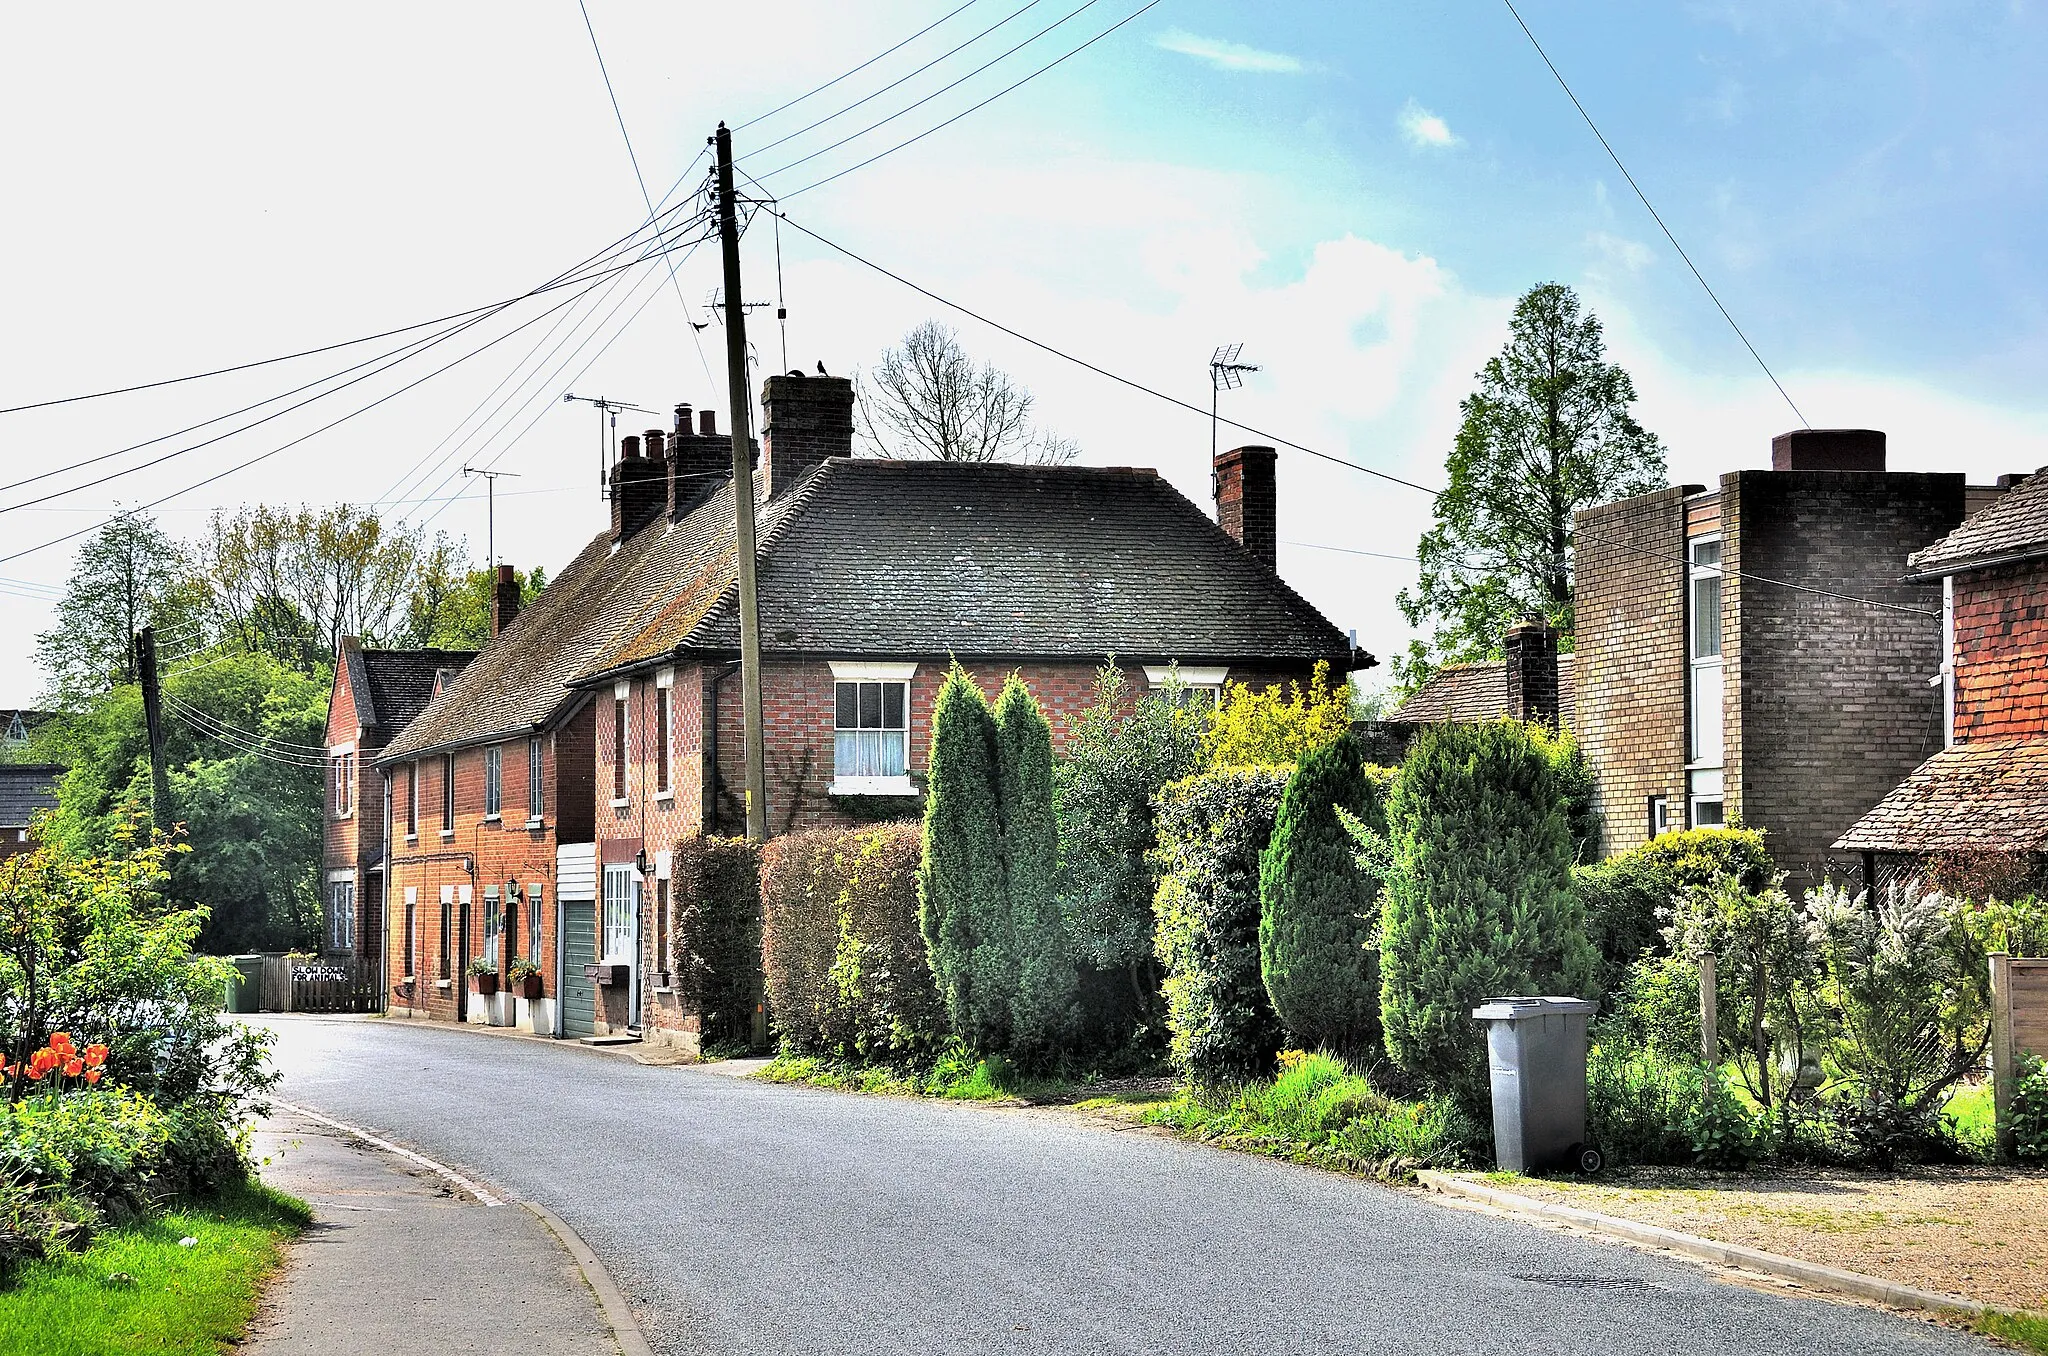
[1568,1281]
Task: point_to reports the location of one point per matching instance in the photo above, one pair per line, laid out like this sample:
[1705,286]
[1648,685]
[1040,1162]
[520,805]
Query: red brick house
[873,576]
[376,694]
[1987,789]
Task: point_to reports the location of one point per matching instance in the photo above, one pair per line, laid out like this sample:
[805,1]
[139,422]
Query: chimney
[504,599]
[707,424]
[652,444]
[698,463]
[638,491]
[1247,502]
[1531,651]
[1828,449]
[804,421]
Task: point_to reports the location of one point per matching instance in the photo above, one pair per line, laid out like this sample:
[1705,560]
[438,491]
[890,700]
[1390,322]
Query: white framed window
[622,695]
[536,779]
[447,966]
[494,924]
[664,732]
[343,782]
[412,800]
[1703,651]
[1660,815]
[1197,685]
[1703,798]
[412,922]
[871,729]
[536,899]
[341,915]
[494,781]
[621,904]
[447,795]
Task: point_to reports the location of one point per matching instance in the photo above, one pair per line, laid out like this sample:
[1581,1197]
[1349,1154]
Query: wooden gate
[336,984]
[2019,1027]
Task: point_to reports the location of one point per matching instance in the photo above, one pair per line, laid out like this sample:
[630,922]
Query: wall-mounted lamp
[640,861]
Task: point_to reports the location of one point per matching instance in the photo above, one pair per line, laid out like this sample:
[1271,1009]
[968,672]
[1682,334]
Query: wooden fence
[2019,1027]
[320,984]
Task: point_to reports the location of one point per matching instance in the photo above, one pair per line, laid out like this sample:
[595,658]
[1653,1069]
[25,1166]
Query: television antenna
[490,510]
[607,444]
[1226,373]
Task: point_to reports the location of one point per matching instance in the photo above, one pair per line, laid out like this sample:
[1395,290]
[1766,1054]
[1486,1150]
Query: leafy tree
[1272,726]
[126,576]
[1120,751]
[1042,1008]
[1478,900]
[963,899]
[1547,433]
[454,613]
[1318,910]
[929,400]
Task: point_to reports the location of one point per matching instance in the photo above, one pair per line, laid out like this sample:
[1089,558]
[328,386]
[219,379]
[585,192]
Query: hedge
[800,889]
[1620,897]
[715,942]
[963,900]
[1211,830]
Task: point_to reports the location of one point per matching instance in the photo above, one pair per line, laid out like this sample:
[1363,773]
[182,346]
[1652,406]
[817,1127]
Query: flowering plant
[522,968]
[61,1059]
[483,965]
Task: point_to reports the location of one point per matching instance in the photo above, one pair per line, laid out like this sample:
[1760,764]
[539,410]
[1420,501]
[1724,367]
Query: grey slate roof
[1476,692]
[26,788]
[1987,794]
[867,556]
[392,687]
[2016,527]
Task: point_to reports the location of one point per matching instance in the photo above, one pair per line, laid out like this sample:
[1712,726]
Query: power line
[645,196]
[1803,422]
[976,107]
[779,108]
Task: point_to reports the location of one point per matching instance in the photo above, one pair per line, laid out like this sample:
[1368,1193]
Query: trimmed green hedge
[1212,829]
[715,946]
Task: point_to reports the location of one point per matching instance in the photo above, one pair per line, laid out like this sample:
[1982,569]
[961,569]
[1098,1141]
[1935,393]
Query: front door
[463,899]
[579,951]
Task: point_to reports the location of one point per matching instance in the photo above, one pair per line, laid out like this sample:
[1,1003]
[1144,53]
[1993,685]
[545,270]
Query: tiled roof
[1478,692]
[1984,794]
[2015,526]
[26,788]
[397,684]
[867,556]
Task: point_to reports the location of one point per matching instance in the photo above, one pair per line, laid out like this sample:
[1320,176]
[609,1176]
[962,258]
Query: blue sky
[1355,192]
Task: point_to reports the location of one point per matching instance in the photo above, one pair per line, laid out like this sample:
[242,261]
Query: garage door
[579,949]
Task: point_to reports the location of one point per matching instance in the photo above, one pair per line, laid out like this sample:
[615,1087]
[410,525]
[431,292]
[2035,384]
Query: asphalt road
[744,1217]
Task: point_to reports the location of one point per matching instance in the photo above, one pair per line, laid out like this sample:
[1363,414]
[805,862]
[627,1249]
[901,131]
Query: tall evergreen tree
[1547,433]
[1042,1009]
[963,903]
[1318,911]
[1478,903]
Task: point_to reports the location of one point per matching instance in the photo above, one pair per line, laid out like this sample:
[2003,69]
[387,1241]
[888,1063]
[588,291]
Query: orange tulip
[73,1067]
[61,1043]
[92,1075]
[95,1055]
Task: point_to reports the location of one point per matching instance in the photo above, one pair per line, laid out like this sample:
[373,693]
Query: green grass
[1969,1110]
[2026,1331]
[956,1077]
[136,1290]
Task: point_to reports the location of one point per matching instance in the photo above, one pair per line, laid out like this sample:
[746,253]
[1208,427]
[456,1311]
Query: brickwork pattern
[1629,658]
[1247,501]
[354,841]
[1830,704]
[2001,652]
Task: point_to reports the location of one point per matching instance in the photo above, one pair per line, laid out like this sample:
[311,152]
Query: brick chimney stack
[698,463]
[805,420]
[638,490]
[1828,449]
[1531,650]
[504,599]
[1247,502]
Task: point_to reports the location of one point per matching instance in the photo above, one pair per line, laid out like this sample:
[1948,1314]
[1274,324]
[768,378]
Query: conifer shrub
[881,978]
[715,942]
[800,887]
[1211,830]
[1042,1004]
[1319,912]
[963,898]
[1478,900]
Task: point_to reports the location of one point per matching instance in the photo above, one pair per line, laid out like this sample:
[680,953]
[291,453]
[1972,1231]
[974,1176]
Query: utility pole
[153,723]
[491,509]
[743,494]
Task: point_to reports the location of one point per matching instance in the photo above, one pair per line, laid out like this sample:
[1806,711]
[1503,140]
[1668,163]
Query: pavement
[739,1216]
[396,1252]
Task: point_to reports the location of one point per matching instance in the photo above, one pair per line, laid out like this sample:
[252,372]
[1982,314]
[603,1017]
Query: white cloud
[1229,56]
[1424,129]
[1631,255]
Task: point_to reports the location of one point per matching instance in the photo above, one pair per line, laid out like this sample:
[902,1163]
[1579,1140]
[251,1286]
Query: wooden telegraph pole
[743,493]
[153,722]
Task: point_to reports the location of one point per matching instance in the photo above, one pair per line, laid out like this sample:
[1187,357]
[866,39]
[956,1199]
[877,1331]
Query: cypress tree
[1042,1007]
[1318,910]
[963,906]
[1479,901]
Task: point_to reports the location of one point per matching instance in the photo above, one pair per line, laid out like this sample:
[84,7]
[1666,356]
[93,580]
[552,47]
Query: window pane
[1707,554]
[893,704]
[1706,617]
[869,753]
[846,706]
[870,706]
[1706,714]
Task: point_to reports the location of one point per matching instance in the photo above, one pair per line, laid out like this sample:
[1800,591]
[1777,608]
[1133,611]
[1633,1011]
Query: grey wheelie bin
[1536,1053]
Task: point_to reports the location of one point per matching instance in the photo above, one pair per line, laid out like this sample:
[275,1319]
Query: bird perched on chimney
[821,368]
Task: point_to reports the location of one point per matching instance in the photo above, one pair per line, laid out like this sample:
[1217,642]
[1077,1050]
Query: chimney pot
[653,446]
[629,446]
[1247,502]
[805,420]
[698,463]
[504,598]
[685,425]
[707,423]
[1828,449]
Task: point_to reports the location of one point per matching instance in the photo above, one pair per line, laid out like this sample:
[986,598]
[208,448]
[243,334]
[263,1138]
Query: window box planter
[527,986]
[607,976]
[484,984]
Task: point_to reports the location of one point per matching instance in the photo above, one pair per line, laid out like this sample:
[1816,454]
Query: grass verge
[2029,1332]
[955,1076]
[136,1289]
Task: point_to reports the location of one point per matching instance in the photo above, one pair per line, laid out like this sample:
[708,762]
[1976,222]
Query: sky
[1356,192]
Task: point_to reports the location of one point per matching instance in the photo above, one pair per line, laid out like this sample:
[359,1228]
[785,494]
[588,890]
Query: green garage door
[579,949]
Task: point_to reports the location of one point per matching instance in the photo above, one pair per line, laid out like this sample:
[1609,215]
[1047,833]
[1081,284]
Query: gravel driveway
[744,1217]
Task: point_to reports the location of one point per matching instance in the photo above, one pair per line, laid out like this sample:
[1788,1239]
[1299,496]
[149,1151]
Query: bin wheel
[1591,1160]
